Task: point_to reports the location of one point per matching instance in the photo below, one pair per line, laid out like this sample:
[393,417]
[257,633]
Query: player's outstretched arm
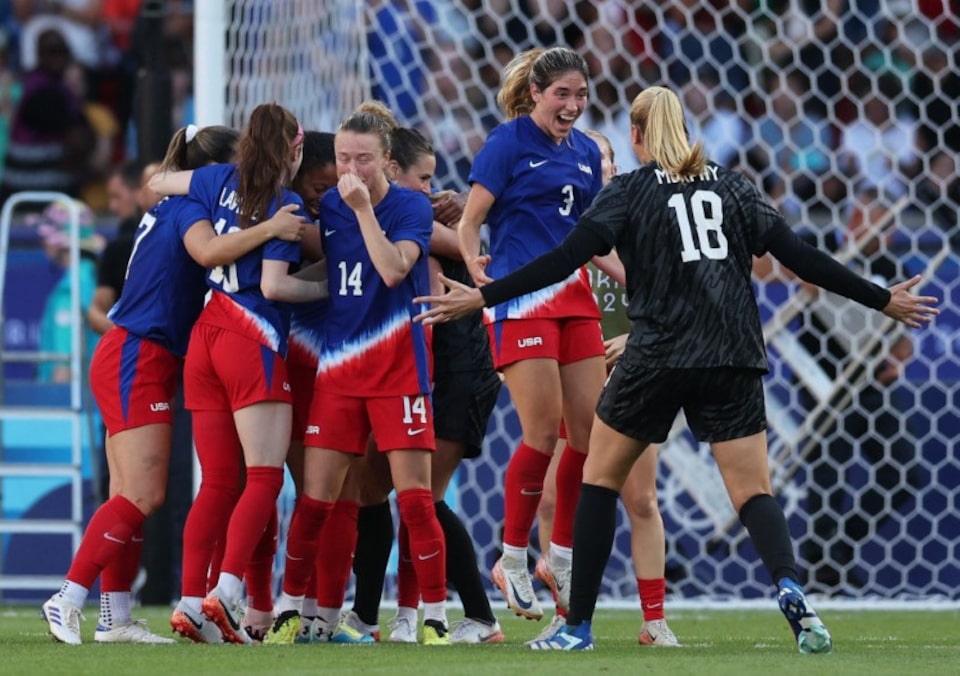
[914,311]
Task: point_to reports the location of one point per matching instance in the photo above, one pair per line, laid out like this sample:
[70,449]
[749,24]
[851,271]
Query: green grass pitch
[911,643]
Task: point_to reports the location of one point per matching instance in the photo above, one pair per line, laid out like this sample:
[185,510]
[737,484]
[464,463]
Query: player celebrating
[374,370]
[686,230]
[235,380]
[531,180]
[134,375]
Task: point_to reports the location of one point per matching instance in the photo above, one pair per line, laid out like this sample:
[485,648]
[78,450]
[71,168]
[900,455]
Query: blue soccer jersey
[541,188]
[237,303]
[371,346]
[164,288]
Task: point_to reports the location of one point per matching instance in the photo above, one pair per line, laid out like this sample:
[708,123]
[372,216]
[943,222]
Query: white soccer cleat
[473,631]
[194,626]
[657,633]
[557,579]
[402,630]
[63,620]
[227,615]
[351,619]
[517,588]
[555,624]
[134,631]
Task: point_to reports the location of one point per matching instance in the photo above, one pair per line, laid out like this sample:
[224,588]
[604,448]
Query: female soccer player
[464,393]
[374,370]
[530,182]
[235,379]
[134,375]
[686,230]
[647,543]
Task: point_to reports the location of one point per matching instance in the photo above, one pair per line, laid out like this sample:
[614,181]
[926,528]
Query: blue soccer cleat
[812,636]
[566,638]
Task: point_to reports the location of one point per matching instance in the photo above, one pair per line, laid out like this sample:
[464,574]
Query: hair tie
[191,133]
[298,139]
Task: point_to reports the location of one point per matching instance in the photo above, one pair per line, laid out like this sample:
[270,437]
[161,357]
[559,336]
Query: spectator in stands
[59,323]
[711,114]
[10,90]
[794,141]
[77,21]
[692,38]
[50,139]
[934,86]
[879,149]
[105,128]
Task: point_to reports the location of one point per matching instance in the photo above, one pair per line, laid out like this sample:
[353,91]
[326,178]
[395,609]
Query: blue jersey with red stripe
[164,287]
[541,188]
[371,345]
[237,303]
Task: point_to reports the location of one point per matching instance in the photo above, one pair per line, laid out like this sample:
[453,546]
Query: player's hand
[914,311]
[448,207]
[613,348]
[477,267]
[459,301]
[286,224]
[353,191]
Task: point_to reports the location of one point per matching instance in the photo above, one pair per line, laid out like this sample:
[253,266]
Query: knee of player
[642,506]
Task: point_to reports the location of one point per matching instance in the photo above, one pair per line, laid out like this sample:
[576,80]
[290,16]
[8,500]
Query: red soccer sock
[107,536]
[259,575]
[204,533]
[119,574]
[652,593]
[524,486]
[250,517]
[408,588]
[428,549]
[338,542]
[569,479]
[305,527]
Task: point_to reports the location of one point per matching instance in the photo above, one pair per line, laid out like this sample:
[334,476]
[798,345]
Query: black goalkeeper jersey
[687,247]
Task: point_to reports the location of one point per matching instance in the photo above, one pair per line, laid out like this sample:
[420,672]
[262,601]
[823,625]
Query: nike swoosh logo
[655,605]
[534,165]
[428,556]
[413,433]
[197,625]
[526,491]
[526,606]
[327,233]
[233,623]
[114,538]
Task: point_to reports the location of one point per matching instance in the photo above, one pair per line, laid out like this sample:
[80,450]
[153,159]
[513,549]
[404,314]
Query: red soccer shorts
[133,380]
[342,423]
[227,371]
[565,340]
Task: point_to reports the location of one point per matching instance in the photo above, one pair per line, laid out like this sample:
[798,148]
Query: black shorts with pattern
[720,403]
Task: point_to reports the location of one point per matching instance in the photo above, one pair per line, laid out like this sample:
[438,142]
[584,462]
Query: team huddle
[298,278]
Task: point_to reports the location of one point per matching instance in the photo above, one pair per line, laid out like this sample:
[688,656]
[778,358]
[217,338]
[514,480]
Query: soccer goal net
[845,113]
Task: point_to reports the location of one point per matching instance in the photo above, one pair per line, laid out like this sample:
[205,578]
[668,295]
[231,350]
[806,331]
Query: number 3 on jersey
[707,211]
